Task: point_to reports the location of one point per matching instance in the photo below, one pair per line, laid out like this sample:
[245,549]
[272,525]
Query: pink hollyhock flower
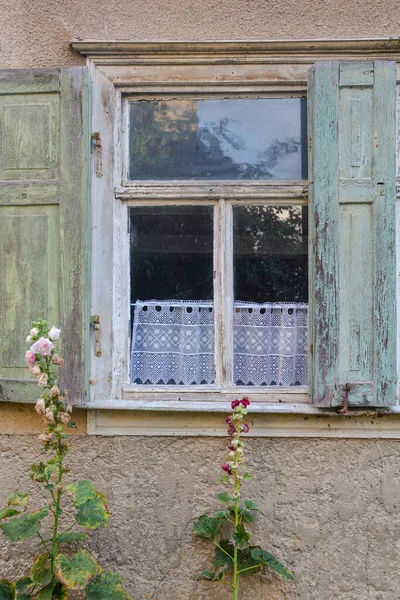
[245,428]
[54,333]
[29,357]
[43,347]
[226,468]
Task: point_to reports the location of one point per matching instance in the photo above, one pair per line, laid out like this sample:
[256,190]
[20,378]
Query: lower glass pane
[171,251]
[270,317]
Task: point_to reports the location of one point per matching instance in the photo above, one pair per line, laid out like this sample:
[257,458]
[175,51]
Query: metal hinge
[95,322]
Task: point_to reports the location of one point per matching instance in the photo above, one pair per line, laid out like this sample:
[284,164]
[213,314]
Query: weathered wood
[43,246]
[74,230]
[352,223]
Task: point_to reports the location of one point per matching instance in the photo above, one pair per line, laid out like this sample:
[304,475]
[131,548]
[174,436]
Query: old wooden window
[200,172]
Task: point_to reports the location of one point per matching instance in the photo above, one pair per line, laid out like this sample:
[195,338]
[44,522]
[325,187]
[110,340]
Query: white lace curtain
[173,343]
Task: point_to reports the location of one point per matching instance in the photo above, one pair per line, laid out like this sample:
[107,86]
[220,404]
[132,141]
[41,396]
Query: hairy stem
[54,546]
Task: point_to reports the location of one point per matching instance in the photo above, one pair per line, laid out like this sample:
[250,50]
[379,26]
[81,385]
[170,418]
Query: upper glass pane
[257,139]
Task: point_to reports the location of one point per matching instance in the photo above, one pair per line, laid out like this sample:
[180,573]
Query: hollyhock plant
[234,555]
[55,572]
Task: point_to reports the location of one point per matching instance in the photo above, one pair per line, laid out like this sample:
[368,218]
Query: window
[238,266]
[200,168]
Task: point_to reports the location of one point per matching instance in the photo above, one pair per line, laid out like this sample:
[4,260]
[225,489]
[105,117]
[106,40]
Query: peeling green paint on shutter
[44,153]
[352,233]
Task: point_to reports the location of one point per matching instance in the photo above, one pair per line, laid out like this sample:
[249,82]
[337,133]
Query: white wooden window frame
[242,69]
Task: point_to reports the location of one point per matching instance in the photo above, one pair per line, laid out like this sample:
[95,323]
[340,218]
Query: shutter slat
[352,217]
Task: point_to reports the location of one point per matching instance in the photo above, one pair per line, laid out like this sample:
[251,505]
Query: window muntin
[218,139]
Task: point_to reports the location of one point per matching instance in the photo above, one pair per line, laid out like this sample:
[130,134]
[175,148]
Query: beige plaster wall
[36,33]
[329,508]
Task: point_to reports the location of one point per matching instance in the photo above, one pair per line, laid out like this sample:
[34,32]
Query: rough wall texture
[36,34]
[330,509]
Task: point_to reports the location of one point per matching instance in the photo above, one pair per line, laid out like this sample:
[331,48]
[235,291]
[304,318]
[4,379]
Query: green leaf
[221,558]
[24,596]
[248,516]
[222,514]
[207,527]
[24,527]
[23,583]
[8,512]
[241,536]
[72,425]
[208,576]
[70,536]
[41,571]
[18,499]
[93,513]
[76,572]
[60,592]
[246,476]
[37,472]
[7,590]
[223,497]
[81,491]
[46,593]
[106,586]
[265,558]
[251,505]
[224,478]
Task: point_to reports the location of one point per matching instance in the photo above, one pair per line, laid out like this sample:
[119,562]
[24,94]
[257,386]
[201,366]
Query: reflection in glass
[270,317]
[171,251]
[259,139]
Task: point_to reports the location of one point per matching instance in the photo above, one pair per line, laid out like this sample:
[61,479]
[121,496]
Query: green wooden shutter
[44,151]
[352,222]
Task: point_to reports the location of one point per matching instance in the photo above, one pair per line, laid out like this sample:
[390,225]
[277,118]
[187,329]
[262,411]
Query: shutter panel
[44,153]
[352,223]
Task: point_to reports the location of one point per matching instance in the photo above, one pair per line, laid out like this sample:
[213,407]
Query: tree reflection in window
[238,139]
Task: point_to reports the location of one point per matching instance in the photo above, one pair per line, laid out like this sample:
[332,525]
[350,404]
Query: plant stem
[235,550]
[54,546]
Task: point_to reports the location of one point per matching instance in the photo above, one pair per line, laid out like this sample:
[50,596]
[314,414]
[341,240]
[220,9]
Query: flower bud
[229,420]
[40,407]
[46,437]
[64,417]
[55,391]
[42,380]
[234,404]
[232,454]
[244,402]
[33,332]
[226,468]
[35,370]
[69,408]
[29,357]
[245,428]
[49,415]
[57,360]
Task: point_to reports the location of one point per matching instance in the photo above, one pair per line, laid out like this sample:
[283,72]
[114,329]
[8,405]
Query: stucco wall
[37,33]
[330,509]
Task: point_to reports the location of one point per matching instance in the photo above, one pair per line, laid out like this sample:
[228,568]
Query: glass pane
[260,139]
[271,295]
[171,251]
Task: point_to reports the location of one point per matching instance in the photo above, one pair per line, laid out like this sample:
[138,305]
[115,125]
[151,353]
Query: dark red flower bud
[225,467]
[234,404]
[245,428]
[244,402]
[232,447]
[231,430]
[229,420]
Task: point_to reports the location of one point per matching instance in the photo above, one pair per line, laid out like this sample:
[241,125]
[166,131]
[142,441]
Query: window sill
[206,419]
